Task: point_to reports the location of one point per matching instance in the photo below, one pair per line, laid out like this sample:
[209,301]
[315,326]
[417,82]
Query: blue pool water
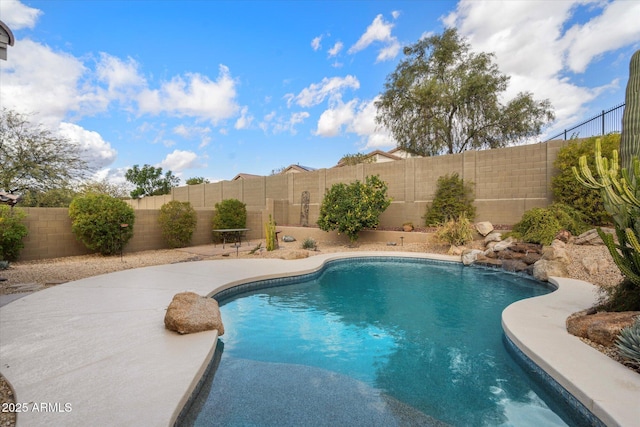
[375,342]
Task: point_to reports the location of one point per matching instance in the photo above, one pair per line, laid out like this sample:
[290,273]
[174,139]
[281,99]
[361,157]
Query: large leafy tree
[34,158]
[444,99]
[351,208]
[150,181]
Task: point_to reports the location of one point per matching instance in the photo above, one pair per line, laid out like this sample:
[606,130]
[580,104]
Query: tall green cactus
[621,195]
[630,138]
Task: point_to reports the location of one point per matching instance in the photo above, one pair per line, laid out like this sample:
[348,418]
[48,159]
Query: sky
[215,88]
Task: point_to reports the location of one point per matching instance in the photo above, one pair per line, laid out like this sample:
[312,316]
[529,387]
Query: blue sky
[215,88]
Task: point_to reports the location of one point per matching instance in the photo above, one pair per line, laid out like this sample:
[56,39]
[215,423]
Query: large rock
[591,237]
[190,312]
[484,227]
[602,328]
[494,236]
[556,252]
[469,256]
[502,245]
[543,269]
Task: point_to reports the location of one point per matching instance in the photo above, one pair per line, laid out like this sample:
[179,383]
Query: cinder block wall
[507,182]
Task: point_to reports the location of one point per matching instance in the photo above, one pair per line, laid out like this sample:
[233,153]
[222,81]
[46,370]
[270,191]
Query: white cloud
[245,119]
[533,48]
[335,49]
[121,77]
[328,87]
[357,118]
[332,120]
[289,125]
[179,160]
[617,26]
[28,84]
[96,151]
[17,15]
[315,43]
[194,95]
[379,31]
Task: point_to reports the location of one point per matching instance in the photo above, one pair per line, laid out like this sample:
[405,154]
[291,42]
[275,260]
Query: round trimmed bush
[452,199]
[178,222]
[103,223]
[230,213]
[12,231]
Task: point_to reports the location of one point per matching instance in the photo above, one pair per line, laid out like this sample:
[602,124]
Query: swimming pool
[374,342]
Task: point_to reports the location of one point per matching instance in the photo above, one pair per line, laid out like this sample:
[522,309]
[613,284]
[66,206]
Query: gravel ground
[41,274]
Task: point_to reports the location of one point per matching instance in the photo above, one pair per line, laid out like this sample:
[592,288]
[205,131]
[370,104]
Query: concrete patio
[95,351]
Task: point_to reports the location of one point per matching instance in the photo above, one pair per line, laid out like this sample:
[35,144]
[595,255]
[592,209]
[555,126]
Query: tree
[34,158]
[443,98]
[149,181]
[197,180]
[453,199]
[351,208]
[354,159]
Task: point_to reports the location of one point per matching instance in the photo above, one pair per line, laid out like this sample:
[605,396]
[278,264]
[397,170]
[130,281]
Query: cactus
[270,234]
[628,342]
[621,195]
[630,138]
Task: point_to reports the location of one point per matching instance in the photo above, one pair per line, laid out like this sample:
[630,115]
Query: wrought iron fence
[606,122]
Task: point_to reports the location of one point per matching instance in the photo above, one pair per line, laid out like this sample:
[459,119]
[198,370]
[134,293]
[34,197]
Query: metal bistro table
[236,233]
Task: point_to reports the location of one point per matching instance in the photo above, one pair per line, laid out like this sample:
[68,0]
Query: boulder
[484,227]
[514,265]
[591,237]
[288,239]
[469,256]
[503,244]
[190,312]
[556,252]
[543,269]
[602,328]
[526,248]
[494,236]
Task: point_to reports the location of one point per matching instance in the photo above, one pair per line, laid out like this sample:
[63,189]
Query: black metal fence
[608,121]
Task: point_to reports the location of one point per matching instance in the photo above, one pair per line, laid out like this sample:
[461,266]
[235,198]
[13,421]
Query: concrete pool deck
[95,351]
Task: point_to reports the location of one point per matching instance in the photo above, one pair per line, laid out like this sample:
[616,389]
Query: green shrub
[538,225]
[570,219]
[456,231]
[351,208]
[453,198]
[12,231]
[309,244]
[567,190]
[541,225]
[230,213]
[103,223]
[178,222]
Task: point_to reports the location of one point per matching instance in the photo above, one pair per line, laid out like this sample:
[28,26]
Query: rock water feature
[534,259]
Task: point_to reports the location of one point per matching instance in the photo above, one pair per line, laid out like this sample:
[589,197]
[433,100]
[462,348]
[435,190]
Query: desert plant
[453,197]
[630,138]
[309,244]
[351,208]
[230,213]
[628,342]
[567,190]
[270,234]
[12,231]
[103,223]
[456,231]
[538,225]
[541,225]
[178,222]
[621,193]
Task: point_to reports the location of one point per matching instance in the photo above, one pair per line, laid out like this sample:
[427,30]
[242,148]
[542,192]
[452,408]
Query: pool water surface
[375,342]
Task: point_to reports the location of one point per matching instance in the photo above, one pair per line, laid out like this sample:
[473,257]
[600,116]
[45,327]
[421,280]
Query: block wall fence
[507,182]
